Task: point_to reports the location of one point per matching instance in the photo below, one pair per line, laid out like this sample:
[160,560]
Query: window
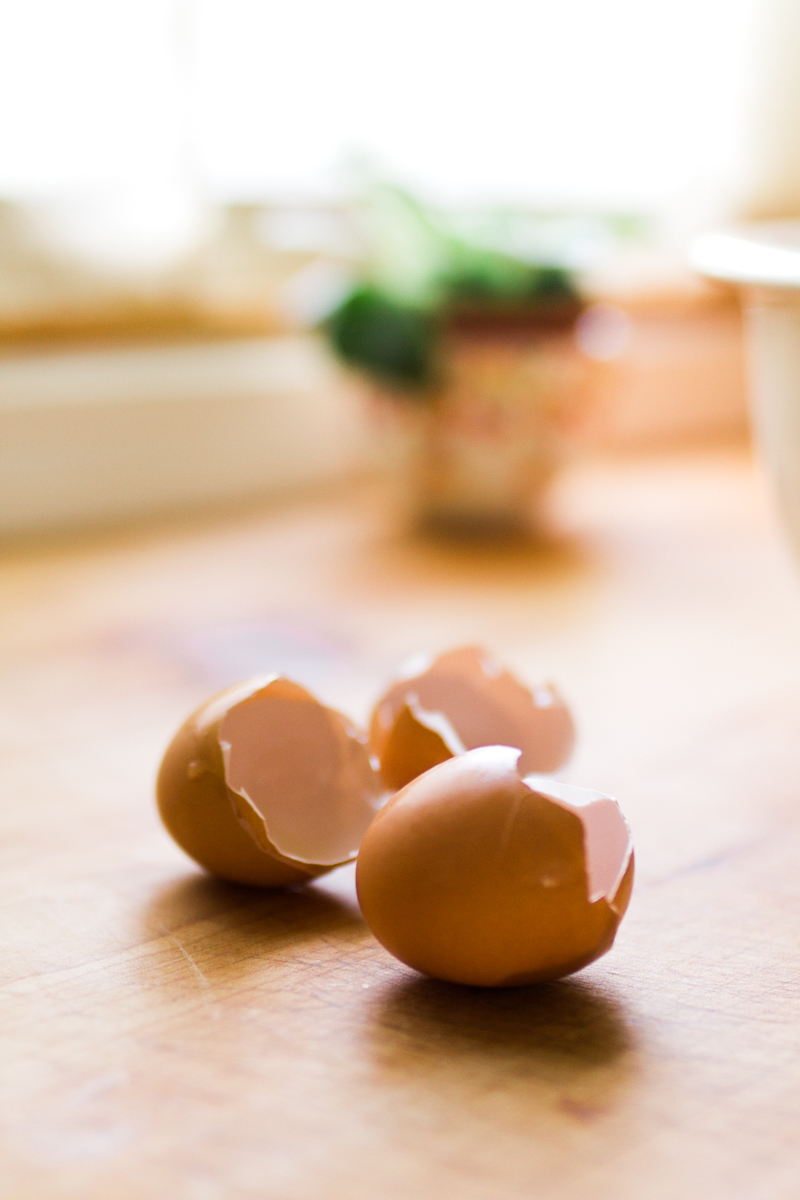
[625,103]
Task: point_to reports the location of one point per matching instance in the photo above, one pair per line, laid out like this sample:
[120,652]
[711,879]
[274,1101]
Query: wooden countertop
[166,1035]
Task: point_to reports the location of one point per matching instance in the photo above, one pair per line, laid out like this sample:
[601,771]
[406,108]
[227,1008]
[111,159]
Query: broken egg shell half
[476,875]
[459,701]
[265,785]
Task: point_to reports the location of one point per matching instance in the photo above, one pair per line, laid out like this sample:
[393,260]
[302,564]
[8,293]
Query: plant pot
[480,450]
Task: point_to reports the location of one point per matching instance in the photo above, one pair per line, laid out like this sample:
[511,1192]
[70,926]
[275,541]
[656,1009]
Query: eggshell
[265,785]
[477,875]
[459,701]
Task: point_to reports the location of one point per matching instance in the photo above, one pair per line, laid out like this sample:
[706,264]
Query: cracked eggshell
[476,875]
[265,785]
[459,701]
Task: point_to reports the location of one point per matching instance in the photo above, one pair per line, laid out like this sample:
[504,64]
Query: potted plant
[471,349]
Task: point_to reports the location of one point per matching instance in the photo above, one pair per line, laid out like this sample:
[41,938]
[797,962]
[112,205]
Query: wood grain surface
[166,1035]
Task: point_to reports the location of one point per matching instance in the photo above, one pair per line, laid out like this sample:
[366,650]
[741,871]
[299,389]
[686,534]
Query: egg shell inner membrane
[306,773]
[481,714]
[484,704]
[438,723]
[606,837]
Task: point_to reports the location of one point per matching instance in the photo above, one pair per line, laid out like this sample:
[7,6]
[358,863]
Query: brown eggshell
[459,701]
[475,875]
[264,785]
[411,747]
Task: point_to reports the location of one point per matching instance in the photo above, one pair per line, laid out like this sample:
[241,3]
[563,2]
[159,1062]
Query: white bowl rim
[765,254]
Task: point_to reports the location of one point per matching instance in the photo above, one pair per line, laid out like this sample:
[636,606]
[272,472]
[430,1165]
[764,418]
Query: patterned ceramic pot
[481,449]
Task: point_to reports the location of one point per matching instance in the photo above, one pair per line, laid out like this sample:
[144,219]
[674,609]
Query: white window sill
[100,435]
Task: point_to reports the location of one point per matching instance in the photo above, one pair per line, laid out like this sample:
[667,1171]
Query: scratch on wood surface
[711,861]
[206,989]
[97,1087]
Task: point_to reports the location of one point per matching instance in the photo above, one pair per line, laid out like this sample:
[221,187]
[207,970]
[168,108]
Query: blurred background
[197,196]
